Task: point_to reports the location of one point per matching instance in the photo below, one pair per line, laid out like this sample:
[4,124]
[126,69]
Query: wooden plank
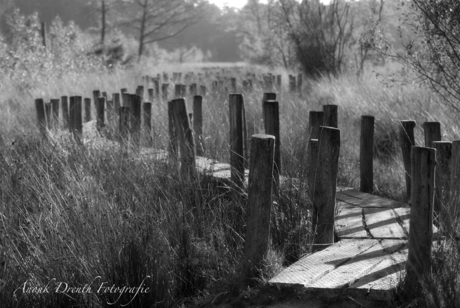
[361,199]
[378,284]
[351,271]
[403,216]
[349,223]
[382,223]
[311,268]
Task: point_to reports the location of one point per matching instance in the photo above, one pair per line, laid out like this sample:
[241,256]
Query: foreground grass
[101,217]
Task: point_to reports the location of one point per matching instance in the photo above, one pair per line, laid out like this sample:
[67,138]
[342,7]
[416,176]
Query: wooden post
[124,118]
[236,104]
[292,84]
[165,91]
[245,86]
[100,123]
[272,127]
[250,85]
[116,102]
[55,108]
[41,117]
[312,168]
[233,84]
[278,82]
[151,95]
[366,154]
[172,133]
[330,115]
[203,90]
[325,186]
[407,140]
[316,119]
[185,136]
[96,94]
[418,264]
[198,124]
[48,115]
[87,109]
[135,120]
[442,181]
[65,111]
[124,90]
[432,132]
[454,206]
[43,33]
[140,92]
[193,89]
[156,84]
[147,107]
[76,124]
[259,205]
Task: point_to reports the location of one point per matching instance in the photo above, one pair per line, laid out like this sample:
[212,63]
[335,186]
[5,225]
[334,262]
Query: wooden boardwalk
[368,261]
[370,258]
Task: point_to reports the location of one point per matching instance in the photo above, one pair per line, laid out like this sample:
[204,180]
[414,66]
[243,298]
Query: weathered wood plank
[350,272]
[403,214]
[311,268]
[377,284]
[356,198]
[349,223]
[382,223]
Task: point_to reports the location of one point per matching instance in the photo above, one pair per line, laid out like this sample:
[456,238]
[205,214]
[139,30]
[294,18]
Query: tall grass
[82,216]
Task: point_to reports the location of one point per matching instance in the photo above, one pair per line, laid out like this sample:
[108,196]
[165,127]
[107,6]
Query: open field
[99,216]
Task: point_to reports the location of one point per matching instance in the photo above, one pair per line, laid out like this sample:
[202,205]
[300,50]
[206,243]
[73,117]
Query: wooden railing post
[41,117]
[96,94]
[312,169]
[442,181]
[116,102]
[315,121]
[136,115]
[165,91]
[87,102]
[292,84]
[432,132]
[418,264]
[147,108]
[124,124]
[172,133]
[55,108]
[76,124]
[198,124]
[100,110]
[233,85]
[156,85]
[185,136]
[272,127]
[331,115]
[366,154]
[407,139]
[65,111]
[48,115]
[325,186]
[237,141]
[260,200]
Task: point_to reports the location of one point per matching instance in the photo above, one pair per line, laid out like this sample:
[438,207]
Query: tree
[432,52]
[264,36]
[158,20]
[321,34]
[106,11]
